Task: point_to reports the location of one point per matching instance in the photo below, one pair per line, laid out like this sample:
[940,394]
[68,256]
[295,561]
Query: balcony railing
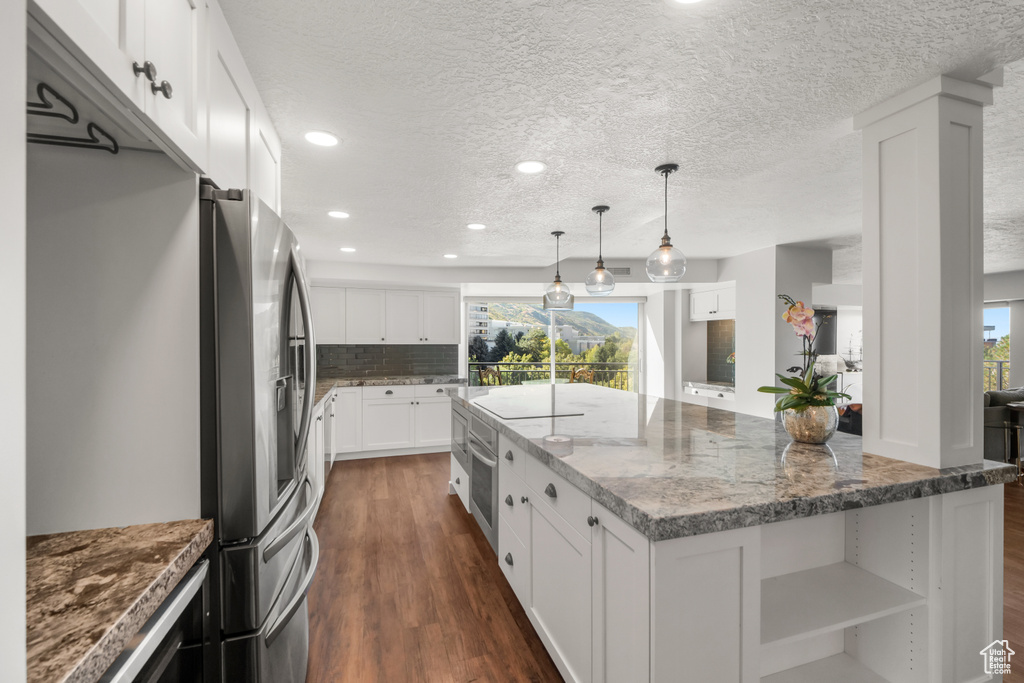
[997,375]
[615,375]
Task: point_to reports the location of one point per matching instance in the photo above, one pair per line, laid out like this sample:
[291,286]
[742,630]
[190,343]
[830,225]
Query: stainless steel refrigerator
[258,381]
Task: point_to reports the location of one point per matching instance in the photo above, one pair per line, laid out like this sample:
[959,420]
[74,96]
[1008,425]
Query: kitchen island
[650,539]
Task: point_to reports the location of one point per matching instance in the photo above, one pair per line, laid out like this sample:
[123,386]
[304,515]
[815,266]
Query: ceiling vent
[620,271]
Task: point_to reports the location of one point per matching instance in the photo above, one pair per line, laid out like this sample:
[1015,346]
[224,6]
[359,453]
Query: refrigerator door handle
[297,599]
[309,356]
[275,546]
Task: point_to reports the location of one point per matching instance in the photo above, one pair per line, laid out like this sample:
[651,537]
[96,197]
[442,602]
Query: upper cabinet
[176,70]
[378,316]
[151,54]
[713,304]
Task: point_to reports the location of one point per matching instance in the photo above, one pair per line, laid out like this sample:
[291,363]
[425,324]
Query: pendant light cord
[665,173]
[600,221]
[558,257]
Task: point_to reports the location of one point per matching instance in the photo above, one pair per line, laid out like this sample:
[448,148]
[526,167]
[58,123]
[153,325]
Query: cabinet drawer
[370,393]
[429,390]
[512,455]
[511,506]
[568,501]
[514,559]
[460,481]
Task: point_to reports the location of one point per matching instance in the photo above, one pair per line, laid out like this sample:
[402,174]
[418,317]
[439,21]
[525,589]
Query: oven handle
[288,534]
[480,453]
[296,602]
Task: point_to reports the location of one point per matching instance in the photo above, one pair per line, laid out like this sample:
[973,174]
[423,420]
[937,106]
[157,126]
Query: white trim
[390,453]
[539,297]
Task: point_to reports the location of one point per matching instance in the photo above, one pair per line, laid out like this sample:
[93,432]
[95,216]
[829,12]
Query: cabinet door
[175,42]
[330,404]
[621,599]
[388,423]
[560,600]
[434,421]
[328,304]
[107,33]
[726,303]
[404,317]
[702,304]
[265,173]
[348,411]
[364,316]
[441,319]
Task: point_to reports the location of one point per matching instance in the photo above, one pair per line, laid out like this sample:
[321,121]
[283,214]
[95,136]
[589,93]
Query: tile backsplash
[386,360]
[721,343]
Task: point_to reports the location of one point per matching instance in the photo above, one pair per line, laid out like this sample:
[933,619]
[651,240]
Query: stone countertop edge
[710,521]
[724,388]
[71,637]
[325,385]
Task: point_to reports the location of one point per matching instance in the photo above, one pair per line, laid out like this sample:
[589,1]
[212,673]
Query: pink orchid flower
[801,318]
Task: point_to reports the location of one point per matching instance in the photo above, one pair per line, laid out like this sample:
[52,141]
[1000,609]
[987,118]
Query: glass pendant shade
[557,296]
[600,281]
[666,264]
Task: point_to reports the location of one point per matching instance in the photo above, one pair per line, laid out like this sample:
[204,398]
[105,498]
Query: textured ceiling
[437,100]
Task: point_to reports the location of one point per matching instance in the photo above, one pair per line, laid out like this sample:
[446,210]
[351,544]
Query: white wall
[113,331]
[662,340]
[1004,286]
[693,343]
[12,341]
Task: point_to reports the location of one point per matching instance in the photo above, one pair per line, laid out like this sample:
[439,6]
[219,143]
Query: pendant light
[666,264]
[558,297]
[600,282]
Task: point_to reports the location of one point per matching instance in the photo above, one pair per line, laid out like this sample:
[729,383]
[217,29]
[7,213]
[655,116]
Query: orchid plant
[805,389]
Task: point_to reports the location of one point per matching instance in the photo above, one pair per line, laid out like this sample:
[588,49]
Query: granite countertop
[326,384]
[671,469]
[89,592]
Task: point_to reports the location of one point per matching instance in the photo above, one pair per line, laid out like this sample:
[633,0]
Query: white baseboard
[387,453]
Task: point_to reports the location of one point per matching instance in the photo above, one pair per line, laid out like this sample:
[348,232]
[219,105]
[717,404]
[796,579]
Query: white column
[923,273]
[1017,350]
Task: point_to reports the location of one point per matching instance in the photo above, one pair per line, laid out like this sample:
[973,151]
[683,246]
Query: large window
[997,348]
[597,342]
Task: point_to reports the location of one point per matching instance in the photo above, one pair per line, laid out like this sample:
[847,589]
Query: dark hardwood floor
[1013,577]
[408,589]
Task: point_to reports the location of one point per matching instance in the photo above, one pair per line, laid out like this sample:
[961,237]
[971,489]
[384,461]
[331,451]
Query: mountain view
[533,314]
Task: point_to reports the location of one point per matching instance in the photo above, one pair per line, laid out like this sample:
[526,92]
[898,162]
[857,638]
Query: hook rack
[97,137]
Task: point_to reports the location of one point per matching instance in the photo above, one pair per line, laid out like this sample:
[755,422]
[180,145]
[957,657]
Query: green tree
[478,349]
[503,345]
[1000,351]
[535,344]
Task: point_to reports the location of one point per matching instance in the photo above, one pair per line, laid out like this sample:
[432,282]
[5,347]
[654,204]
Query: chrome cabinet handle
[388,392]
[148,68]
[164,88]
[508,456]
[508,559]
[550,491]
[591,520]
[524,500]
[508,500]
[440,391]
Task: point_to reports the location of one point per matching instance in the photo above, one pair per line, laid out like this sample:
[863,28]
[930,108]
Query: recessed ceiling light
[322,138]
[337,214]
[347,250]
[451,256]
[687,2]
[530,166]
[476,226]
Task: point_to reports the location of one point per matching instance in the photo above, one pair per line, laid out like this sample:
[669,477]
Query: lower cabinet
[433,421]
[460,482]
[348,419]
[585,583]
[388,423]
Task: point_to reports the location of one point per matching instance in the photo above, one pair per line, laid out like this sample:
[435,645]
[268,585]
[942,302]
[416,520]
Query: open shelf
[840,668]
[815,601]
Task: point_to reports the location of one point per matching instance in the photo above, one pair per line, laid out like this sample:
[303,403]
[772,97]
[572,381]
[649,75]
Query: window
[997,347]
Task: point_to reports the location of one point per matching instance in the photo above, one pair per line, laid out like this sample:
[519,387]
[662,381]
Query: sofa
[995,415]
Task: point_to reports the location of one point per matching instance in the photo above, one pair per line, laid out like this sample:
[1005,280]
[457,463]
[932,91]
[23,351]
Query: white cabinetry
[328,305]
[404,315]
[151,53]
[389,415]
[582,575]
[314,452]
[364,316]
[348,415]
[713,304]
[433,416]
[330,433]
[441,319]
